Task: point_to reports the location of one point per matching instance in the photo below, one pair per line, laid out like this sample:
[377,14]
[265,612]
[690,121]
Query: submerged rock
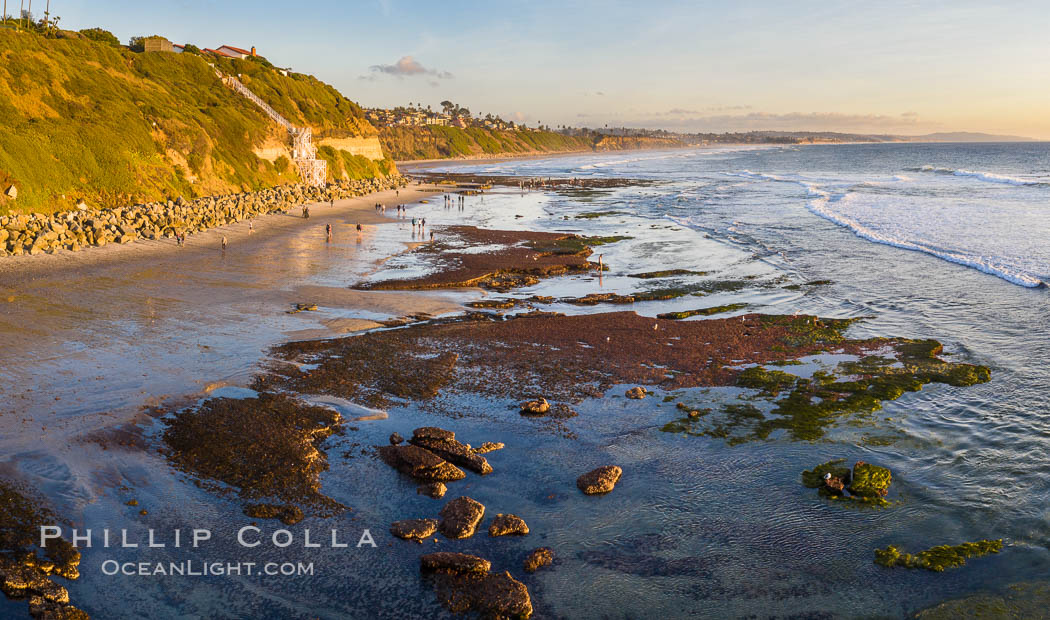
[288,514]
[460,517]
[535,407]
[601,480]
[464,584]
[454,562]
[435,490]
[636,393]
[419,463]
[504,525]
[445,445]
[539,558]
[413,529]
[937,558]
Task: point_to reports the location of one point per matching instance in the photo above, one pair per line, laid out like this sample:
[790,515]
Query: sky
[836,65]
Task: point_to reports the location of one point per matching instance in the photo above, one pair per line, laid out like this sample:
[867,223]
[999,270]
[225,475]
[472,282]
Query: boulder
[460,517]
[535,407]
[11,192]
[539,558]
[505,525]
[413,529]
[433,432]
[450,449]
[435,490]
[419,463]
[636,393]
[601,480]
[396,439]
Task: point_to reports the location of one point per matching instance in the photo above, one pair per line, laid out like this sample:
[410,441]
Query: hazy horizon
[898,68]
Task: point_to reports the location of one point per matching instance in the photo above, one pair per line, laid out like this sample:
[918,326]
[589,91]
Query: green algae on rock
[685,314]
[265,447]
[768,382]
[937,558]
[870,480]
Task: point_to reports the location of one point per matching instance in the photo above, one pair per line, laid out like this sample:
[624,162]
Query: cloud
[409,67]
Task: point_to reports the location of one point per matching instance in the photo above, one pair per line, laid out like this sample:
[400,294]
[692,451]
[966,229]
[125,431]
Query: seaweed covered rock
[460,517]
[539,406]
[937,558]
[420,463]
[870,480]
[28,569]
[601,480]
[288,514]
[539,558]
[434,490]
[413,529]
[267,447]
[444,444]
[505,525]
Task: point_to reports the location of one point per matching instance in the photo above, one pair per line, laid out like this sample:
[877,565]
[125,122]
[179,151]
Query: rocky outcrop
[601,480]
[460,517]
[443,443]
[413,529]
[539,558]
[419,463]
[508,525]
[396,439]
[83,227]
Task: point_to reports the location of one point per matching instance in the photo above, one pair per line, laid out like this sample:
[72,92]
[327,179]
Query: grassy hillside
[88,119]
[435,142]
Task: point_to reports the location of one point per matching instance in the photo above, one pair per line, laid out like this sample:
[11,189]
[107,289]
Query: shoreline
[496,158]
[14,269]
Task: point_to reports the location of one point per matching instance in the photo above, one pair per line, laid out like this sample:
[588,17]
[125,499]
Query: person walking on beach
[359,229]
[328,232]
[306,212]
[251,226]
[224,243]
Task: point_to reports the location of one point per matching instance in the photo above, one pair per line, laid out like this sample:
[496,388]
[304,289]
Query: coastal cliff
[438,142]
[92,121]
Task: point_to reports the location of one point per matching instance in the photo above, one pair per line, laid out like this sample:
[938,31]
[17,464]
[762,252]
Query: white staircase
[312,170]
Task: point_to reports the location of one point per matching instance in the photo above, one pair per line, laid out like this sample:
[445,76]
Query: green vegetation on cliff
[83,118]
[438,142]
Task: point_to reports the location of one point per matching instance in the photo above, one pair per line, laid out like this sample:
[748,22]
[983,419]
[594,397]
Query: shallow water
[696,527]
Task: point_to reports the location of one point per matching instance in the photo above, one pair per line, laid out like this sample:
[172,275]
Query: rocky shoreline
[81,228]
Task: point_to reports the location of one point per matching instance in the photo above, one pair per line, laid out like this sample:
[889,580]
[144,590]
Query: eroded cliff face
[368,146]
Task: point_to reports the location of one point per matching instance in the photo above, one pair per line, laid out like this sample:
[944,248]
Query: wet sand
[92,337]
